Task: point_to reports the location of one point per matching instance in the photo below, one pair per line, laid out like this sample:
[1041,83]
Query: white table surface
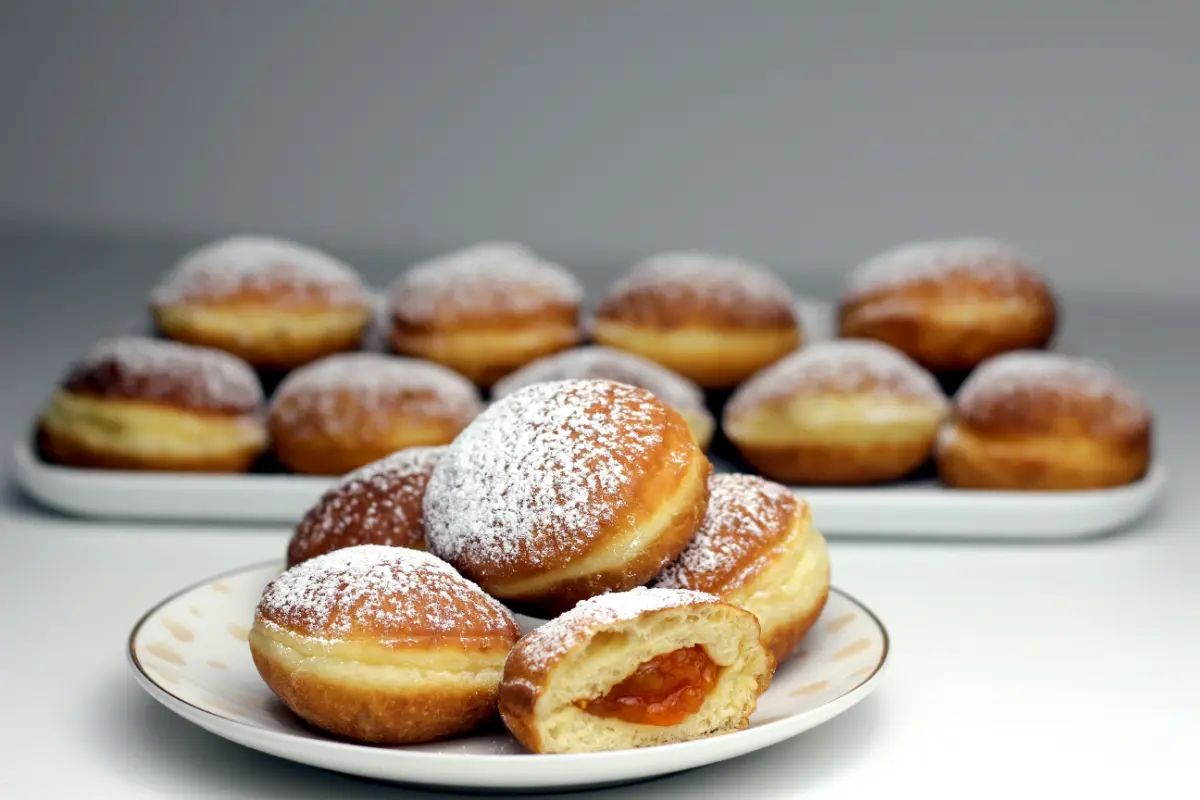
[1017,670]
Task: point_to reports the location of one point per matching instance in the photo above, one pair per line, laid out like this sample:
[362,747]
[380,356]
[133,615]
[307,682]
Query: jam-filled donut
[135,403]
[844,411]
[950,304]
[348,410]
[485,310]
[635,669]
[712,318]
[274,302]
[384,645]
[1045,421]
[564,490]
[380,503]
[758,549]
[607,363]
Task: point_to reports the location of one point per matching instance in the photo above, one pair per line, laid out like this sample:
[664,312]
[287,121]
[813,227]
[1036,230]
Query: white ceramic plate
[190,653]
[913,510]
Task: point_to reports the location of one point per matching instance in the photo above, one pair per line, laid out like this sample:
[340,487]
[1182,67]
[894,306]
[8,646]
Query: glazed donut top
[839,366]
[607,363]
[365,505]
[539,476]
[380,592]
[949,265]
[544,646]
[747,516]
[364,392]
[162,371]
[480,283]
[264,269]
[1040,390]
[681,288]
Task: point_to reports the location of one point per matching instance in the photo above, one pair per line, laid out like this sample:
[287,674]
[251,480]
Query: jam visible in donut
[664,690]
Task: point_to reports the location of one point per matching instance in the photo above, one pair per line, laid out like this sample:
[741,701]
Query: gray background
[808,136]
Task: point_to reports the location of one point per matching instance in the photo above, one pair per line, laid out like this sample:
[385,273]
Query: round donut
[607,363]
[273,302]
[839,412]
[485,310]
[949,304]
[348,410]
[757,548]
[635,669]
[1041,421]
[135,403]
[712,318]
[380,503]
[564,490]
[384,645]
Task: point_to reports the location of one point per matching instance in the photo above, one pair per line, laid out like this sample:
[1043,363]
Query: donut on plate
[564,490]
[348,410]
[597,361]
[384,645]
[712,318]
[376,504]
[485,310]
[950,304]
[635,669]
[843,411]
[1045,421]
[273,302]
[135,403]
[758,549]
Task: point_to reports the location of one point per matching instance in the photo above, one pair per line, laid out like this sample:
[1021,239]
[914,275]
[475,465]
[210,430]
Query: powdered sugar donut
[132,402]
[379,644]
[485,310]
[757,548]
[376,504]
[348,410]
[949,304]
[635,669]
[845,411]
[1043,421]
[607,363]
[564,490]
[274,302]
[713,318]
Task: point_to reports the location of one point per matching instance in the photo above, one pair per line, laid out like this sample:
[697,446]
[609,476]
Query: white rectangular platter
[912,510]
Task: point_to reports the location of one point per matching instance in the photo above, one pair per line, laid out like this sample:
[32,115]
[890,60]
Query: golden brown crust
[71,452]
[972,458]
[956,320]
[782,640]
[358,713]
[656,308]
[839,464]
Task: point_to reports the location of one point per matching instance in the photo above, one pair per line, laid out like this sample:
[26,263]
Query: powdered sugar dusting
[158,369]
[489,277]
[712,276]
[378,588]
[1055,374]
[248,263]
[381,384]
[746,516]
[840,365]
[607,363]
[544,646]
[999,264]
[540,472]
[379,503]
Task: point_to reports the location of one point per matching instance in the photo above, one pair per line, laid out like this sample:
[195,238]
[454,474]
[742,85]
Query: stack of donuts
[271,355]
[659,597]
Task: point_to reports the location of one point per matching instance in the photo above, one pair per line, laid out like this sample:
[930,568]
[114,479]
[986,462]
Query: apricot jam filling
[665,690]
